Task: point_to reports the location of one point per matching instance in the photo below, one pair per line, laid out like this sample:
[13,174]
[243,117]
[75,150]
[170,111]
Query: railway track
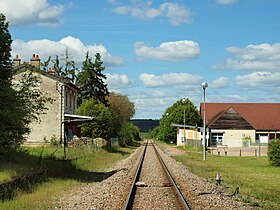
[153,186]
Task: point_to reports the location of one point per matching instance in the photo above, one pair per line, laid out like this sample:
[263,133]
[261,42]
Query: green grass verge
[42,197]
[258,181]
[82,165]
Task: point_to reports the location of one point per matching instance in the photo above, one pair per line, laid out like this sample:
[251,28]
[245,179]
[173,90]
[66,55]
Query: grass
[82,165]
[258,181]
[42,196]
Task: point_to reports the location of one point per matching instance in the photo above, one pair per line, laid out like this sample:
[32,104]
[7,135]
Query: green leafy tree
[274,152]
[102,123]
[128,133]
[122,110]
[175,115]
[90,80]
[154,133]
[20,103]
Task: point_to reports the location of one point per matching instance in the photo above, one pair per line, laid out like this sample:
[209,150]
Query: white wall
[189,134]
[50,121]
[233,138]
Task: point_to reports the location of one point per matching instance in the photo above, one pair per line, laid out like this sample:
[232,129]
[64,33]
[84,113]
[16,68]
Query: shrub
[128,133]
[54,141]
[246,140]
[274,152]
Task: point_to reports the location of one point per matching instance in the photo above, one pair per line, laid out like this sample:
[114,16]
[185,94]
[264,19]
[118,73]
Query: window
[70,100]
[74,102]
[66,97]
[217,139]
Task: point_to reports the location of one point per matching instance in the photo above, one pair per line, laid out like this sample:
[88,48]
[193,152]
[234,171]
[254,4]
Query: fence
[194,143]
[84,146]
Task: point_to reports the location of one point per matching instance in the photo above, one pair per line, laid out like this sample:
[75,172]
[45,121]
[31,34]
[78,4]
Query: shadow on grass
[131,145]
[26,165]
[64,169]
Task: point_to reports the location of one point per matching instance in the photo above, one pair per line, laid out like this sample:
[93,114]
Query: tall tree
[122,110]
[90,80]
[5,49]
[20,103]
[175,115]
[68,70]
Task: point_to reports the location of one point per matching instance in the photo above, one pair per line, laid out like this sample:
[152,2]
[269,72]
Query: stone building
[59,122]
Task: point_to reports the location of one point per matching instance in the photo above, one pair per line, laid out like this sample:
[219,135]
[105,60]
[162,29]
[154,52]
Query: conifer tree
[90,80]
[67,71]
[5,49]
[20,104]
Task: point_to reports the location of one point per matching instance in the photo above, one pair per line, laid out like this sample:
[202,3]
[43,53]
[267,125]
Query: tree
[90,80]
[273,152]
[154,133]
[175,115]
[21,103]
[122,110]
[128,133]
[102,123]
[5,55]
[67,71]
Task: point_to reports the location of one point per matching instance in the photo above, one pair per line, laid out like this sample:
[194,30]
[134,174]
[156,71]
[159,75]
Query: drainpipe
[61,110]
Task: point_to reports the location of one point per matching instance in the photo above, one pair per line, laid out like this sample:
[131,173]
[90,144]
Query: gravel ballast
[111,193]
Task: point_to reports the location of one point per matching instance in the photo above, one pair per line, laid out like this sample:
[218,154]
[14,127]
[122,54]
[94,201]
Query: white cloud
[171,79]
[31,12]
[117,81]
[45,48]
[220,82]
[149,106]
[112,1]
[174,12]
[259,80]
[225,1]
[169,51]
[262,57]
[122,10]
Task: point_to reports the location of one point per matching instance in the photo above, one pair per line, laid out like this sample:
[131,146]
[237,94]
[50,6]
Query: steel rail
[167,172]
[128,203]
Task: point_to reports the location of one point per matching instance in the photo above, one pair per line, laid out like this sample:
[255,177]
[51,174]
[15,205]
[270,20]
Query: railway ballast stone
[111,193]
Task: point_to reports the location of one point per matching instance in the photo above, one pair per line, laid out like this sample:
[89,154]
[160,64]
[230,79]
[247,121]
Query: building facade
[188,135]
[242,124]
[59,122]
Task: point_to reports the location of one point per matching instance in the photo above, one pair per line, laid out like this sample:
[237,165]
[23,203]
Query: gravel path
[111,193]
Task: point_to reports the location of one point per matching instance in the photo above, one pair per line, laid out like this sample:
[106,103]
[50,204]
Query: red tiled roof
[262,116]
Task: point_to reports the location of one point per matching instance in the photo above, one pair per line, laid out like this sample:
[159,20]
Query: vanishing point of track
[153,186]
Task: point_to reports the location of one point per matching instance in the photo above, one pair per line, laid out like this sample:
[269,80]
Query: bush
[274,152]
[102,125]
[128,133]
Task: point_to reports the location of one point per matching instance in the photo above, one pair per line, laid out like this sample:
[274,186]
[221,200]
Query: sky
[158,52]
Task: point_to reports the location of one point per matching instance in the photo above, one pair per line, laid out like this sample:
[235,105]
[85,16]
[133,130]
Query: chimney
[35,61]
[16,61]
[51,70]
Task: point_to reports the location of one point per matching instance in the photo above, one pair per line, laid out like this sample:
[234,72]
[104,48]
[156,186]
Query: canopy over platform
[76,118]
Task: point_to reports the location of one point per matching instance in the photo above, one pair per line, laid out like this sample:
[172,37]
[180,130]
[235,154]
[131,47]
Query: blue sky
[158,52]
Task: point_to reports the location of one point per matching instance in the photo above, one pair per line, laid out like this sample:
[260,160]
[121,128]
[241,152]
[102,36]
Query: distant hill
[145,124]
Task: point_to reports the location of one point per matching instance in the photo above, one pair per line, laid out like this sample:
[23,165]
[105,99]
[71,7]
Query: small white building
[188,135]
